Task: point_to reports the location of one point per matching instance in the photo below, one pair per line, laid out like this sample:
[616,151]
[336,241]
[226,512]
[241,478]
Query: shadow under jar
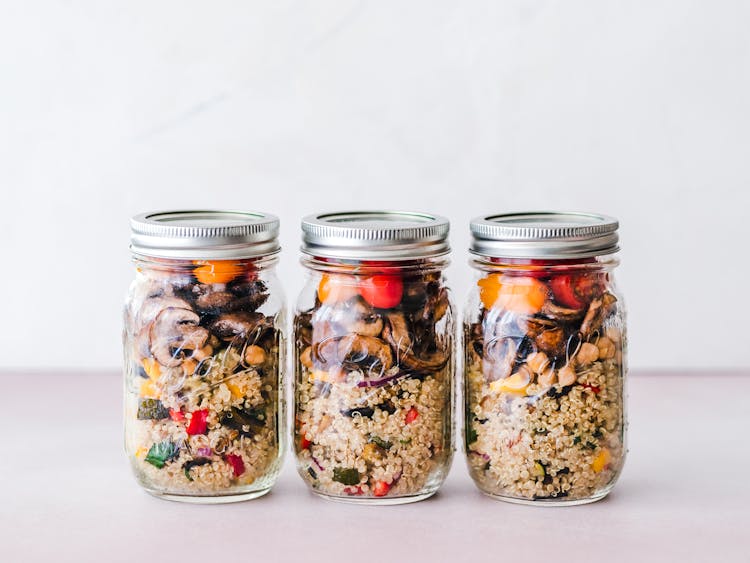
[203,347]
[374,357]
[544,353]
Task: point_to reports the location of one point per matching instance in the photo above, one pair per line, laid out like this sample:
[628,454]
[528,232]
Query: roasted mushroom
[599,309]
[396,333]
[352,350]
[175,335]
[240,324]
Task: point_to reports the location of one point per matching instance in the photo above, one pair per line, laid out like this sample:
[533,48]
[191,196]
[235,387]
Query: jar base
[382,501]
[223,499]
[548,502]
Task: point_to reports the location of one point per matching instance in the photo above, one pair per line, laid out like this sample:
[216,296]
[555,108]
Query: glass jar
[374,357]
[544,358]
[204,347]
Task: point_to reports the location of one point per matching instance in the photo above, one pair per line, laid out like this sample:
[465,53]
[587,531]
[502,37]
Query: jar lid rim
[204,234]
[544,234]
[375,234]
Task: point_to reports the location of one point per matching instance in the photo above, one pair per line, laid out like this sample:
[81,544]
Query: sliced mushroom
[153,306]
[251,294]
[353,316]
[352,349]
[243,324]
[175,335]
[561,314]
[599,309]
[396,333]
[215,301]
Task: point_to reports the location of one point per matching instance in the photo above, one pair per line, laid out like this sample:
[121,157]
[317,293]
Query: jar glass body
[204,360]
[373,388]
[544,372]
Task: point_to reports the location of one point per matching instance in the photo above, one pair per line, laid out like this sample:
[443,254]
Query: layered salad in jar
[373,394]
[202,382]
[544,381]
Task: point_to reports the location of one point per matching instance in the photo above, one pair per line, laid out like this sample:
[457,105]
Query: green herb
[486,466]
[576,440]
[589,445]
[385,444]
[152,409]
[471,435]
[598,433]
[161,453]
[405,442]
[193,463]
[346,475]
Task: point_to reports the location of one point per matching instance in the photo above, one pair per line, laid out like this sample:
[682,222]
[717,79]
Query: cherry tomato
[380,489]
[382,291]
[336,288]
[574,290]
[519,294]
[217,271]
[304,443]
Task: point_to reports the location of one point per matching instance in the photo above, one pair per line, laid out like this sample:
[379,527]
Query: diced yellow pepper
[516,383]
[148,390]
[151,367]
[234,390]
[601,461]
[320,375]
[141,452]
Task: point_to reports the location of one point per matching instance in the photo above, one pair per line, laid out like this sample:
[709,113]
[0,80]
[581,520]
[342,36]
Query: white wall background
[638,109]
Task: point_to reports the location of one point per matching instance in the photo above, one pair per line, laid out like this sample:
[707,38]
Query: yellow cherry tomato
[216,271]
[518,294]
[335,288]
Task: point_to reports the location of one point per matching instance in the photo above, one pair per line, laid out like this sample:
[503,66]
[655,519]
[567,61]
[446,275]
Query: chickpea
[567,375]
[203,353]
[537,362]
[255,355]
[548,378]
[305,357]
[606,348]
[588,354]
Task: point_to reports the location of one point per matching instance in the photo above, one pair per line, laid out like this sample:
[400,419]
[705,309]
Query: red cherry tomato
[575,290]
[382,291]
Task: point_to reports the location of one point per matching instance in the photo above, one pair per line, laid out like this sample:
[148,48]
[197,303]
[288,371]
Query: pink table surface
[67,493]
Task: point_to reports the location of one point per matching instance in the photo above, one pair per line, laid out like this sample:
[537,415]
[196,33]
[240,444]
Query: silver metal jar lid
[386,235]
[544,234]
[204,234]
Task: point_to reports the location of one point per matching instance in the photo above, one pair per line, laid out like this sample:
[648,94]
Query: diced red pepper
[238,466]
[593,388]
[353,491]
[176,416]
[197,424]
[381,488]
[304,443]
[412,415]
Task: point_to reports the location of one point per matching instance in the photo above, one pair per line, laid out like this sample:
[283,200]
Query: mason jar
[373,389]
[545,358]
[203,349]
